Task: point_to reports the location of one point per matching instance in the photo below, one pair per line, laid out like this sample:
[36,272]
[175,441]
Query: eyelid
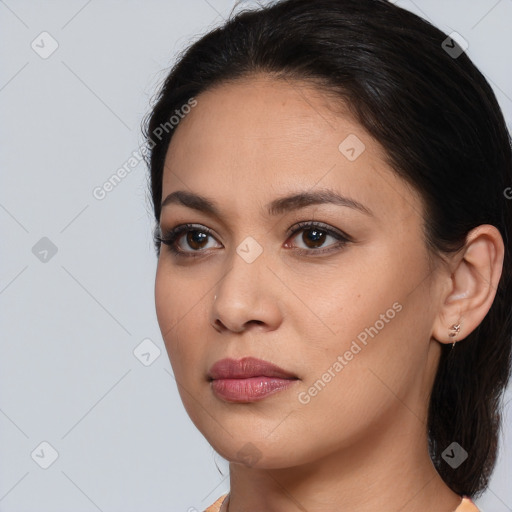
[327,228]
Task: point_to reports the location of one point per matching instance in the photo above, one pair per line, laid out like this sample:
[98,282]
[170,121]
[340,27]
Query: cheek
[175,305]
[347,300]
[375,333]
[165,304]
[176,295]
[352,385]
[374,290]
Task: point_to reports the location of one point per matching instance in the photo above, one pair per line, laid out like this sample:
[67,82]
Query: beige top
[466,505]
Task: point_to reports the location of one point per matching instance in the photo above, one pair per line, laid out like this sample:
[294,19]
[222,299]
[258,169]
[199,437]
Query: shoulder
[467,505]
[215,507]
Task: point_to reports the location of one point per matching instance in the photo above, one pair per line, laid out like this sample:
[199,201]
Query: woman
[334,237]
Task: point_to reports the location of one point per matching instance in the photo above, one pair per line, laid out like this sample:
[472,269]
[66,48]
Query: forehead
[258,138]
[263,111]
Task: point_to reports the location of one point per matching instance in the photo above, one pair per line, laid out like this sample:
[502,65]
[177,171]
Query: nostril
[218,325]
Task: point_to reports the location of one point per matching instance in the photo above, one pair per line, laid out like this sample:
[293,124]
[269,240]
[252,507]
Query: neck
[378,471]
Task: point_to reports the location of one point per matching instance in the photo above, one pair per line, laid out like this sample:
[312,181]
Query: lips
[248,379]
[246,368]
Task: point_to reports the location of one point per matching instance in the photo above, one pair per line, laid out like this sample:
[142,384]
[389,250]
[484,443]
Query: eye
[198,238]
[194,236]
[314,236]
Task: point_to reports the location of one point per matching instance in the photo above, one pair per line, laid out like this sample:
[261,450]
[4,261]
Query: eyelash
[170,237]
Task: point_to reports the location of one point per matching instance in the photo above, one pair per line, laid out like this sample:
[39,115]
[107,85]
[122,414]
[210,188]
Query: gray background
[71,319]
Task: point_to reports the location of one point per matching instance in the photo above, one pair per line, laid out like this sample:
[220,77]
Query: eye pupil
[196,238]
[315,236]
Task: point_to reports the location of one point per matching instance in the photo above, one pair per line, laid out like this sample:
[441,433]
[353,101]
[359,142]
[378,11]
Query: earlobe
[473,283]
[454,332]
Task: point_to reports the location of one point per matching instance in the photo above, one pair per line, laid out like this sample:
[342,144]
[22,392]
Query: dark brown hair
[444,133]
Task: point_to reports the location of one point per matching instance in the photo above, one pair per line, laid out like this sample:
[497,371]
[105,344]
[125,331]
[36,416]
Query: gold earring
[454,330]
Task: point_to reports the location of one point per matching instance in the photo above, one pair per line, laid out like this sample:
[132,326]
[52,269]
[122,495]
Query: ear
[471,287]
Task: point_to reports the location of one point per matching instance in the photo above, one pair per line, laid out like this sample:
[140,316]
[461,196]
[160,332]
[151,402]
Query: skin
[361,442]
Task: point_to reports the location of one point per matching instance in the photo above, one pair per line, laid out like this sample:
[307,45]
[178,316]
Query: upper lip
[245,368]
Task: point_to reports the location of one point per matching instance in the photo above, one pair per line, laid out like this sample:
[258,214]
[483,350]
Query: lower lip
[249,390]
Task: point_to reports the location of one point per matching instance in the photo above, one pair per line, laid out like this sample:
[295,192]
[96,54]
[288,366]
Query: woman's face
[350,318]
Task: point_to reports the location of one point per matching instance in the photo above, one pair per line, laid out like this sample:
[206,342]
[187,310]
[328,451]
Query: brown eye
[196,239]
[313,237]
[188,240]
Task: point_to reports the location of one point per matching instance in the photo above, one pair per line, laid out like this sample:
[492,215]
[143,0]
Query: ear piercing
[454,330]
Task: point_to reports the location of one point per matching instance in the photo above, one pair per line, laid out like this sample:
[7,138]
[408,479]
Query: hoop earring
[454,330]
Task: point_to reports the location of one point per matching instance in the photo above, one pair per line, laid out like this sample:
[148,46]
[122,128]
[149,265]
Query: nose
[246,297]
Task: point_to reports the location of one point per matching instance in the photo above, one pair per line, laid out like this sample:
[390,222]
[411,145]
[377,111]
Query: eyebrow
[276,207]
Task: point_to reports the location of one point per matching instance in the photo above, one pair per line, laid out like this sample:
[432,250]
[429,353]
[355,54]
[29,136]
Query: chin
[257,453]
